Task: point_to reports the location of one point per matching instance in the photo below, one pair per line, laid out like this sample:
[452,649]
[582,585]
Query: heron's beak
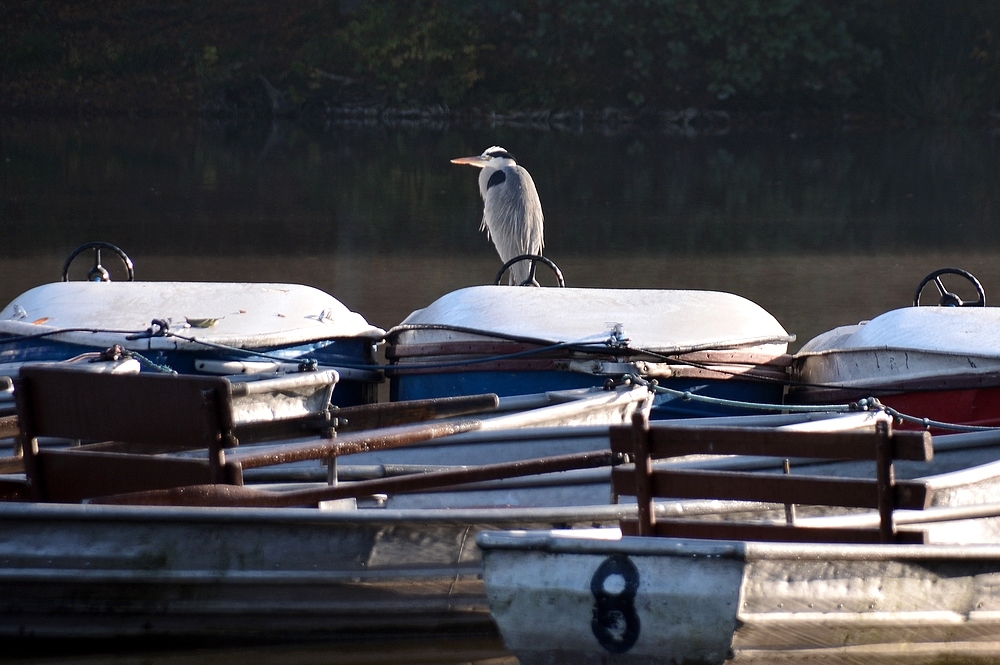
[478,161]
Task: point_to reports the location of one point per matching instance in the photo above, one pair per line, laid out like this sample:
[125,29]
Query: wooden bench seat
[149,412]
[147,432]
[643,443]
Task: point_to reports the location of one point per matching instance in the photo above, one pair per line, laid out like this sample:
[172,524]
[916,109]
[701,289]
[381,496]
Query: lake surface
[821,230]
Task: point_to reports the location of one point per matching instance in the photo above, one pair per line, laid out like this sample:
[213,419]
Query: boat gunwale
[559,542]
[37,512]
[732,344]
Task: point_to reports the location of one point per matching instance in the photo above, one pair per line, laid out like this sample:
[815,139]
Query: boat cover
[664,321]
[243,315]
[967,331]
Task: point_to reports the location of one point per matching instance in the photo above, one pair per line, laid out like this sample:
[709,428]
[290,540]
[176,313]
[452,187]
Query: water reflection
[820,231]
[162,188]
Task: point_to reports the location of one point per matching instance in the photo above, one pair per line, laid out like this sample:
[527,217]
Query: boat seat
[643,443]
[142,414]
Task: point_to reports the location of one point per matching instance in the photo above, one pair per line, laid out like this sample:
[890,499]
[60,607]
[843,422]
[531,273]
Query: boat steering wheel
[534,258]
[99,273]
[947,298]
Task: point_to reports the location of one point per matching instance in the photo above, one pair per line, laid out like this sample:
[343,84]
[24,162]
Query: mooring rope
[869,404]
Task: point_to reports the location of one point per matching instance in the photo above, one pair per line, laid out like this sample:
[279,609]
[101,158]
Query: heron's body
[512,213]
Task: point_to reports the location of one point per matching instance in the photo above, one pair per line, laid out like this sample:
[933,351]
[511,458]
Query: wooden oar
[370,416]
[9,427]
[252,457]
[236,496]
[387,414]
[8,430]
[12,464]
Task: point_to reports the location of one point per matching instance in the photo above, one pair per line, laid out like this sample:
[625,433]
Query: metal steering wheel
[947,298]
[99,273]
[534,258]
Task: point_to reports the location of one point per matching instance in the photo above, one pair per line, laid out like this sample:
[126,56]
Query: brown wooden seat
[144,414]
[132,428]
[644,443]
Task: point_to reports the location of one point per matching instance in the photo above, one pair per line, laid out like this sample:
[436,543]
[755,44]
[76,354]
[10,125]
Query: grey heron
[512,213]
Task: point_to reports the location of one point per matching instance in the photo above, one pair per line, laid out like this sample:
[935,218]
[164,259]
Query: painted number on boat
[614,585]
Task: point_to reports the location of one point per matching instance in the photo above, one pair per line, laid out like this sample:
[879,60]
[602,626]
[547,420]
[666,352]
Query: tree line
[925,60]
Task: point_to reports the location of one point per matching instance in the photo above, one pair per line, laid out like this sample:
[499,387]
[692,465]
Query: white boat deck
[961,331]
[243,315]
[908,348]
[664,321]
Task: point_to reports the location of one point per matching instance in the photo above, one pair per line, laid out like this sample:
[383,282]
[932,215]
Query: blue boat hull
[350,352]
[508,383]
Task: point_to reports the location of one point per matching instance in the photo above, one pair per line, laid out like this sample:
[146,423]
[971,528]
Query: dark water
[820,230]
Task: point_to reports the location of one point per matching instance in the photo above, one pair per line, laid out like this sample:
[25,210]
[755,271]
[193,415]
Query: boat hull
[97,572]
[560,598]
[453,384]
[103,572]
[217,328]
[978,407]
[515,341]
[939,363]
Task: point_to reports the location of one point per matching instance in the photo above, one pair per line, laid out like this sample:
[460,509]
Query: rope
[305,363]
[111,331]
[616,340]
[926,423]
[867,404]
[687,395]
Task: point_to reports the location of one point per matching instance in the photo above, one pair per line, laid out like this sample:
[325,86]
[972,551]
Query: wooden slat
[643,468]
[139,408]
[644,442]
[770,488]
[146,411]
[771,532]
[72,475]
[673,441]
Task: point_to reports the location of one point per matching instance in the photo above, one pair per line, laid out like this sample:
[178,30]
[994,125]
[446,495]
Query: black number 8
[615,623]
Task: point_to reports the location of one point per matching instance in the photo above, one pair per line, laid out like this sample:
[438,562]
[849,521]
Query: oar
[8,430]
[9,427]
[386,414]
[237,496]
[370,416]
[252,457]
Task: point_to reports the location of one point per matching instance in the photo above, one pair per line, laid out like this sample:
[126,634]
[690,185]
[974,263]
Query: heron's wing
[512,214]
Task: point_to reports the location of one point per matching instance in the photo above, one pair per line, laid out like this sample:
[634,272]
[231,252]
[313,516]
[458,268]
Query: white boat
[939,363]
[215,328]
[514,341]
[662,596]
[592,596]
[349,568]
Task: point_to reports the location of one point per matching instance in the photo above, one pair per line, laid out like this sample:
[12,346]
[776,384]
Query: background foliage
[922,59]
